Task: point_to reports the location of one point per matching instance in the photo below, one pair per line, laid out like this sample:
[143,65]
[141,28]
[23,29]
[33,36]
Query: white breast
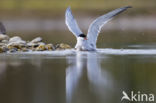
[82,45]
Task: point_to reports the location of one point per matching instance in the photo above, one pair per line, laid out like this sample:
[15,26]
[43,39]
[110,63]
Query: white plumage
[71,23]
[89,44]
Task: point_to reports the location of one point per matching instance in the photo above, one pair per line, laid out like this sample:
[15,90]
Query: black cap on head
[82,35]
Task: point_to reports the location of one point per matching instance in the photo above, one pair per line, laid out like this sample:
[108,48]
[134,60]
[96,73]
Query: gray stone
[40,48]
[36,40]
[41,43]
[4,37]
[5,49]
[49,47]
[5,41]
[62,46]
[13,50]
[15,39]
[30,44]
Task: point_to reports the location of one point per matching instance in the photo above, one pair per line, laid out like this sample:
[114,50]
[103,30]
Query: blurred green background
[146,6]
[83,4]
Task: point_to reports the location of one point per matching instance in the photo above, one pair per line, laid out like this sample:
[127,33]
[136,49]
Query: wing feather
[96,25]
[71,23]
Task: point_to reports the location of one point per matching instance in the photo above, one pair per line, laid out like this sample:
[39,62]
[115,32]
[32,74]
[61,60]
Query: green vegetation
[81,4]
[56,8]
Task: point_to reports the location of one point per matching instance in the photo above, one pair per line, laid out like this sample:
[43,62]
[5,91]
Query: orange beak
[85,39]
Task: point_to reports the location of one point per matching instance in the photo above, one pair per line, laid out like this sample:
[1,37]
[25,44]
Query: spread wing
[96,25]
[71,23]
[2,28]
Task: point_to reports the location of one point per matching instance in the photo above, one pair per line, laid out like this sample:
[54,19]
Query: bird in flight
[88,42]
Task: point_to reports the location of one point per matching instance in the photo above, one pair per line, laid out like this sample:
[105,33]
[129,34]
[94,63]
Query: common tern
[88,42]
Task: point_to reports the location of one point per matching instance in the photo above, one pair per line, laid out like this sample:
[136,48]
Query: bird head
[83,36]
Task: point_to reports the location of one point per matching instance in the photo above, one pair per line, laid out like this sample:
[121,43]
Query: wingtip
[68,8]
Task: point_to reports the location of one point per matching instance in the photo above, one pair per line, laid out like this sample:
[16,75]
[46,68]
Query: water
[76,77]
[126,61]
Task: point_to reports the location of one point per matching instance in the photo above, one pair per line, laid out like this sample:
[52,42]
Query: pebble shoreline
[17,44]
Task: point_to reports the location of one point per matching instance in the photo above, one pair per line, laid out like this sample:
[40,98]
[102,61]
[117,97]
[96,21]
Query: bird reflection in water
[100,81]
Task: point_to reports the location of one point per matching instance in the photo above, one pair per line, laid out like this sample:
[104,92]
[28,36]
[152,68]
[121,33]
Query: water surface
[126,61]
[76,77]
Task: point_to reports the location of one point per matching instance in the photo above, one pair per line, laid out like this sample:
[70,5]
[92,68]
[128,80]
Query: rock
[36,40]
[32,48]
[16,45]
[41,43]
[62,46]
[50,47]
[30,44]
[2,44]
[15,38]
[40,48]
[25,49]
[5,49]
[4,37]
[20,42]
[1,50]
[13,50]
[5,41]
[10,47]
[34,45]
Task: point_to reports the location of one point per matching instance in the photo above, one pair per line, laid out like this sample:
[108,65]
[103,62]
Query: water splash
[127,51]
[106,51]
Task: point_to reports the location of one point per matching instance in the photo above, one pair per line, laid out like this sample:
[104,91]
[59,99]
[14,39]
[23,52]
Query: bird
[2,29]
[88,42]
